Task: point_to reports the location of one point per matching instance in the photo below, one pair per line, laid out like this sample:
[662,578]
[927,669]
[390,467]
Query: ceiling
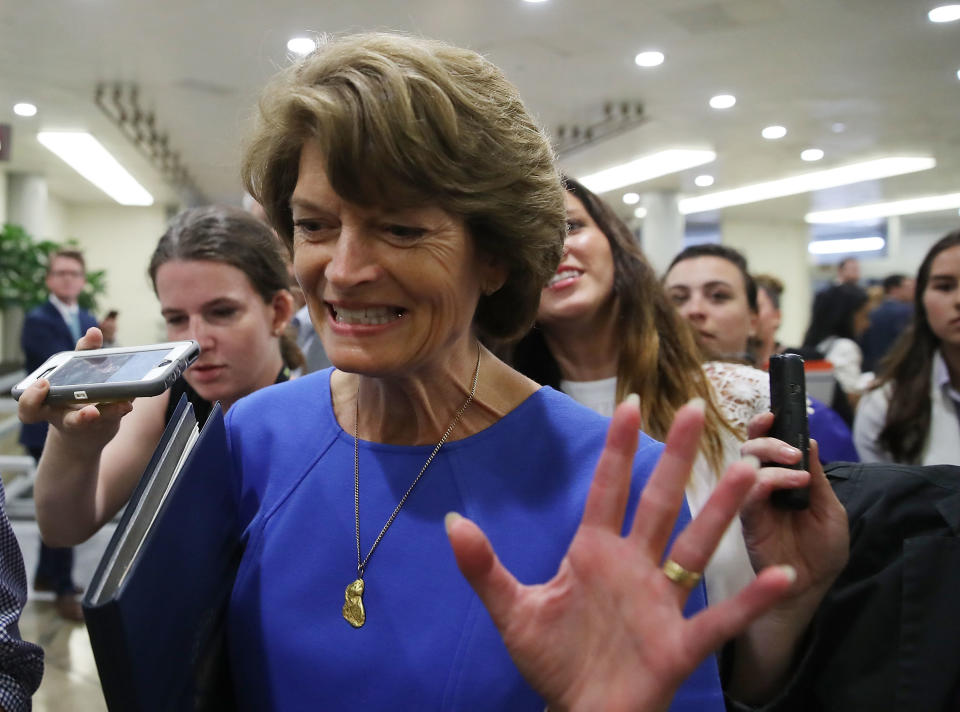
[857,78]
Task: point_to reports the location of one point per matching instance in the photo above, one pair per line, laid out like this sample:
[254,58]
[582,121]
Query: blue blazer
[44,334]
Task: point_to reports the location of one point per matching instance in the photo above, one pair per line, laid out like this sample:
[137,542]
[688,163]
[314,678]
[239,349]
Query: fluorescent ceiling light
[811,154]
[84,154]
[926,204]
[651,58]
[854,244]
[944,13]
[631,198]
[640,213]
[773,132]
[806,183]
[723,101]
[24,109]
[704,181]
[301,45]
[647,168]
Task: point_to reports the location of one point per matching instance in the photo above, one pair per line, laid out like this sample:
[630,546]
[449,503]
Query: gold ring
[679,575]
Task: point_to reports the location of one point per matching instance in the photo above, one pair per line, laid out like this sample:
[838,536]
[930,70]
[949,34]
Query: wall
[120,240]
[780,249]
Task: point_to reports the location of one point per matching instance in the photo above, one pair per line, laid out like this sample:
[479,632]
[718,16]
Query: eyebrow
[206,305]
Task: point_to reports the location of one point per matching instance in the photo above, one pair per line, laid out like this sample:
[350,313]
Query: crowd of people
[565,467]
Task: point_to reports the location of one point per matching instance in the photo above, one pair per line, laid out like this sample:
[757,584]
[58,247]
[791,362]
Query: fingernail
[450,519]
[697,403]
[787,450]
[634,400]
[790,572]
[751,460]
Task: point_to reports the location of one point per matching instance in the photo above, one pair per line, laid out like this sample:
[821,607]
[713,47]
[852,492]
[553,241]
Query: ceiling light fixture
[24,109]
[806,183]
[704,181]
[646,168]
[723,101]
[925,204]
[89,158]
[944,13]
[772,133]
[841,246]
[631,198]
[640,213]
[302,45]
[650,58]
[811,154]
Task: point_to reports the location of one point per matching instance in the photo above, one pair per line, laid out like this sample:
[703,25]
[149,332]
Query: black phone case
[788,401]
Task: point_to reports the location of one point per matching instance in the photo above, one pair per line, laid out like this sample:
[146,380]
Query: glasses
[66,273]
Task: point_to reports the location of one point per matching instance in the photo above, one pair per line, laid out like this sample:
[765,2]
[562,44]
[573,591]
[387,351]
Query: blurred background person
[55,326]
[888,320]
[910,415]
[765,344]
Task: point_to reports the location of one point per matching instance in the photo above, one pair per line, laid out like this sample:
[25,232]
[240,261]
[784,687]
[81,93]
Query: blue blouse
[428,642]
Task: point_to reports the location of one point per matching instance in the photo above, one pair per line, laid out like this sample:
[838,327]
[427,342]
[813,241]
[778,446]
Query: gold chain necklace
[353,610]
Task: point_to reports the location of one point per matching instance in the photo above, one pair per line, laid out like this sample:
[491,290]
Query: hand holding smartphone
[788,401]
[114,374]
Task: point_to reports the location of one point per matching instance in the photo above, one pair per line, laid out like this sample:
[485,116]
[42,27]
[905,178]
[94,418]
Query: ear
[282,307]
[492,274]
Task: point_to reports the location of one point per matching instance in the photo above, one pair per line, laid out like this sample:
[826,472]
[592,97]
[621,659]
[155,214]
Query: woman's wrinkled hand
[608,631]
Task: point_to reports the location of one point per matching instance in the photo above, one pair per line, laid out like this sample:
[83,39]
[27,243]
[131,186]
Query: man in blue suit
[55,326]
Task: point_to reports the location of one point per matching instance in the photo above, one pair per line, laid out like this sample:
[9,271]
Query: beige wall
[780,249]
[120,240]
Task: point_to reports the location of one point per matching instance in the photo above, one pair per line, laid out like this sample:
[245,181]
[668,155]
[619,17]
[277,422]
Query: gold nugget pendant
[353,608]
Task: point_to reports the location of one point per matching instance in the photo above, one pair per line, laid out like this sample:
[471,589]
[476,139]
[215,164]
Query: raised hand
[608,631]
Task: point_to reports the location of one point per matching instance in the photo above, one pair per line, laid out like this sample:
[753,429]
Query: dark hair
[659,359]
[891,282]
[67,253]
[771,286]
[833,313]
[712,249]
[217,233]
[407,121]
[908,370]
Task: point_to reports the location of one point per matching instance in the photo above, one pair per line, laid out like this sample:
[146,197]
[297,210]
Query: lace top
[742,392]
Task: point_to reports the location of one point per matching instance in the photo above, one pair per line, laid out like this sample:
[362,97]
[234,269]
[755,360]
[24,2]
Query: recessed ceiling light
[806,182]
[24,109]
[651,58]
[640,213]
[811,154]
[631,198]
[958,74]
[944,13]
[841,246]
[704,181]
[87,156]
[723,101]
[646,168]
[302,45]
[925,204]
[773,132]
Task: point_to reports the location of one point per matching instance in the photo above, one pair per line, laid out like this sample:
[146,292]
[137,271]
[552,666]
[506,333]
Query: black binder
[156,606]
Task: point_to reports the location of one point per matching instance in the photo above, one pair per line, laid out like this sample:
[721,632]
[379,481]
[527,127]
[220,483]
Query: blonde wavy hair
[404,121]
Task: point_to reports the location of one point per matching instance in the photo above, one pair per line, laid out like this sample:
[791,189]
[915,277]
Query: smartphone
[114,374]
[788,401]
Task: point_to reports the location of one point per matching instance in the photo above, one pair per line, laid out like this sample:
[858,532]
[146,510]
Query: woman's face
[391,292]
[941,297]
[768,317]
[215,304]
[709,292]
[583,283]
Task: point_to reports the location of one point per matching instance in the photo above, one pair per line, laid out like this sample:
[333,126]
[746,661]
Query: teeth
[366,316]
[560,276]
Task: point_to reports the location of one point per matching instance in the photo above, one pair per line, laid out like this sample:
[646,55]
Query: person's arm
[92,458]
[608,631]
[21,663]
[868,423]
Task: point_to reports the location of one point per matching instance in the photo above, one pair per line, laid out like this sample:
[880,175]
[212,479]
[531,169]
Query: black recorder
[788,401]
